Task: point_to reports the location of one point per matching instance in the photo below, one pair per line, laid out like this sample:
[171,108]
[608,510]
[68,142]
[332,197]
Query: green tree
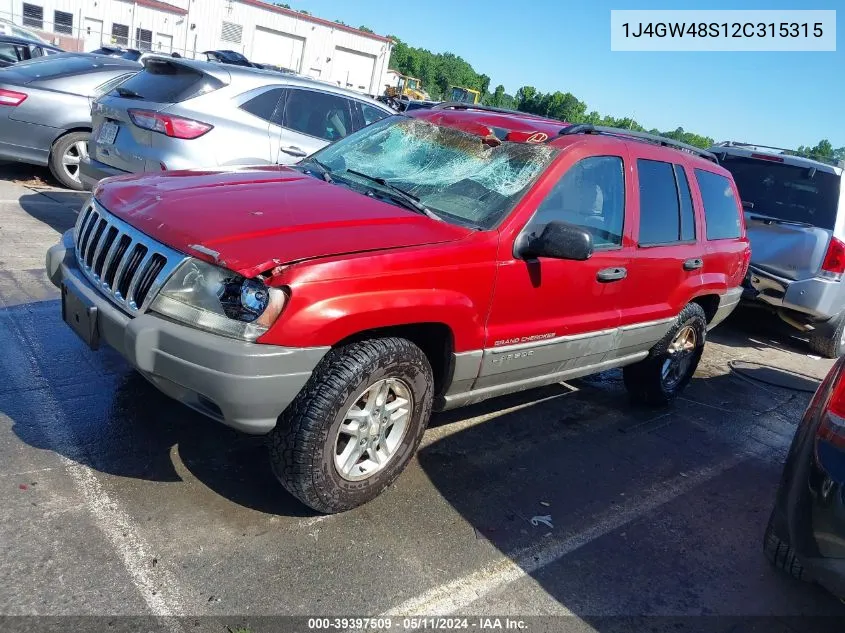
[341,22]
[283,5]
[365,29]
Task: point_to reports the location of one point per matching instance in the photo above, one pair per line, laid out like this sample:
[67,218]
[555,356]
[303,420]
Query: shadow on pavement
[57,209]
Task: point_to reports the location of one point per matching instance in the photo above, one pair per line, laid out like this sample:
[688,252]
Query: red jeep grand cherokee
[425,262]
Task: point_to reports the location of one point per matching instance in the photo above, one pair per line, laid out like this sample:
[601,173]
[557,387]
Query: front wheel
[355,425]
[669,367]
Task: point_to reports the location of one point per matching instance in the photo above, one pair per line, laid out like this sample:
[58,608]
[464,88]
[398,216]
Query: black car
[18,49]
[229,57]
[806,532]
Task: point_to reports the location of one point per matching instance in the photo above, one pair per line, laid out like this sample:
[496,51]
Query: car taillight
[11,98]
[834,260]
[173,126]
[832,425]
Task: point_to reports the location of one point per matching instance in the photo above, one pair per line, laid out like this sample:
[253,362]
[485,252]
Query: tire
[829,341]
[65,149]
[779,553]
[304,445]
[646,381]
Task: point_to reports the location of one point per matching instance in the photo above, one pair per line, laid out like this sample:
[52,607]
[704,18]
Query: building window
[144,39]
[120,34]
[232,32]
[33,16]
[63,22]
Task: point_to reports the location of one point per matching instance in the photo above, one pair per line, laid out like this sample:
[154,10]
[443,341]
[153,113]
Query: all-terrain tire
[302,446]
[61,147]
[829,341]
[780,554]
[645,381]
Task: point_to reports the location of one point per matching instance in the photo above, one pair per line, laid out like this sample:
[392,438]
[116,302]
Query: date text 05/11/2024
[418,623]
[724,29]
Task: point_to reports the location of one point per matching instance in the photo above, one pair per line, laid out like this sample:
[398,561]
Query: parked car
[16,49]
[228,57]
[795,213]
[45,109]
[15,30]
[132,54]
[805,536]
[180,114]
[422,263]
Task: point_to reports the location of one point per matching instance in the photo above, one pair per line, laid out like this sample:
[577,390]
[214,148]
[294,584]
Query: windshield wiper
[408,199]
[129,94]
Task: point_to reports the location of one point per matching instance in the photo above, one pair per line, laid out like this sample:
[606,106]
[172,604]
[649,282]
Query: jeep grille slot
[122,263]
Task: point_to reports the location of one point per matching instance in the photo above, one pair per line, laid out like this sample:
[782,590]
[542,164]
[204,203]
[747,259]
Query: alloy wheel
[680,355]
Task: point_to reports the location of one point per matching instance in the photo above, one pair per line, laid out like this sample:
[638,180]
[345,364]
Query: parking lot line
[157,587]
[456,595]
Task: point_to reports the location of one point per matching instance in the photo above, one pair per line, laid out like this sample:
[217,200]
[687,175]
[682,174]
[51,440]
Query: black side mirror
[558,240]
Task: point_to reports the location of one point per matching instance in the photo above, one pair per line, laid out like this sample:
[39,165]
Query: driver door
[550,316]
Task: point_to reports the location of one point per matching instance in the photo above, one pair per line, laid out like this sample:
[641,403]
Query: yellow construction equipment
[465,95]
[409,87]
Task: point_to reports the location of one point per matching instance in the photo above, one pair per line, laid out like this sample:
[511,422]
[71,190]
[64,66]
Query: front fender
[307,323]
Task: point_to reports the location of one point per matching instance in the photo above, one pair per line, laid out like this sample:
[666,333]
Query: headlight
[217,300]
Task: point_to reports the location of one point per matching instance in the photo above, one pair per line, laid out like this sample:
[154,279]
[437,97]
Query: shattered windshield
[453,173]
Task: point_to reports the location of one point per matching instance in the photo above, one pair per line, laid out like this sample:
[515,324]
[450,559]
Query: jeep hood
[251,220]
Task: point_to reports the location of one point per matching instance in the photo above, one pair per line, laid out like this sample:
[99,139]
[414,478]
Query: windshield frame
[360,183]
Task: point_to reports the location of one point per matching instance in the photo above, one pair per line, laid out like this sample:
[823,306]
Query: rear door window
[721,208]
[687,212]
[264,105]
[660,215]
[319,114]
[9,53]
[111,84]
[786,192]
[170,83]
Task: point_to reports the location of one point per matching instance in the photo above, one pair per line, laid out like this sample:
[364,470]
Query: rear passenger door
[263,106]
[665,267]
[309,120]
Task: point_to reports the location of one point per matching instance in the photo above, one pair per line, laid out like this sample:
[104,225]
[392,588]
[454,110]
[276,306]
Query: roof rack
[788,152]
[458,105]
[586,128]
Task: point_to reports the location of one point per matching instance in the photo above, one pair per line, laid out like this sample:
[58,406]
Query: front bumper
[816,299]
[93,171]
[243,385]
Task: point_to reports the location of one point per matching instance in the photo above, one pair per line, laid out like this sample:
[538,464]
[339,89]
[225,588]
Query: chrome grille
[124,264]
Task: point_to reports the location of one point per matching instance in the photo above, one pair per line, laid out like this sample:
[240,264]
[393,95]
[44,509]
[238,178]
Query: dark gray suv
[795,217]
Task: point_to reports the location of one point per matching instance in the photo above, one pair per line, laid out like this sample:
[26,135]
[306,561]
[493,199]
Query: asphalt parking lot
[116,501]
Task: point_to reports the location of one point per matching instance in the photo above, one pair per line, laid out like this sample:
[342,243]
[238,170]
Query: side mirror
[558,240]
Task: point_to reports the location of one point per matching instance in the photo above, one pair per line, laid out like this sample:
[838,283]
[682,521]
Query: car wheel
[671,362]
[829,341]
[66,157]
[355,425]
[779,553]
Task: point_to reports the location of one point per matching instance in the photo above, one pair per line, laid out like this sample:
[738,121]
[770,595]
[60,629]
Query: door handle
[617,273]
[693,264]
[293,150]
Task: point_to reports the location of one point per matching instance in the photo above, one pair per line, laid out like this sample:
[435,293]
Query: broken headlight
[217,300]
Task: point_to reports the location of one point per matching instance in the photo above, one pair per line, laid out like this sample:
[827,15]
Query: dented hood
[251,220]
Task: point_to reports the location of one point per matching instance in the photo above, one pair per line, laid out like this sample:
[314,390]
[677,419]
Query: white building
[265,33]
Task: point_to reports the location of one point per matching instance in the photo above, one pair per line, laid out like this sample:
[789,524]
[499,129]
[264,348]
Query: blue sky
[783,99]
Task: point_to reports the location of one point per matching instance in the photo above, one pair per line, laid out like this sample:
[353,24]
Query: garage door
[275,47]
[353,70]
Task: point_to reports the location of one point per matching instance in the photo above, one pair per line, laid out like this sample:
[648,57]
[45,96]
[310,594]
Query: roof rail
[458,105]
[586,128]
[788,152]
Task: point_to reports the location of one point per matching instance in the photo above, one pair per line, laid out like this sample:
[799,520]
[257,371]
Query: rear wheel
[66,158]
[671,362]
[829,341]
[779,553]
[355,425]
